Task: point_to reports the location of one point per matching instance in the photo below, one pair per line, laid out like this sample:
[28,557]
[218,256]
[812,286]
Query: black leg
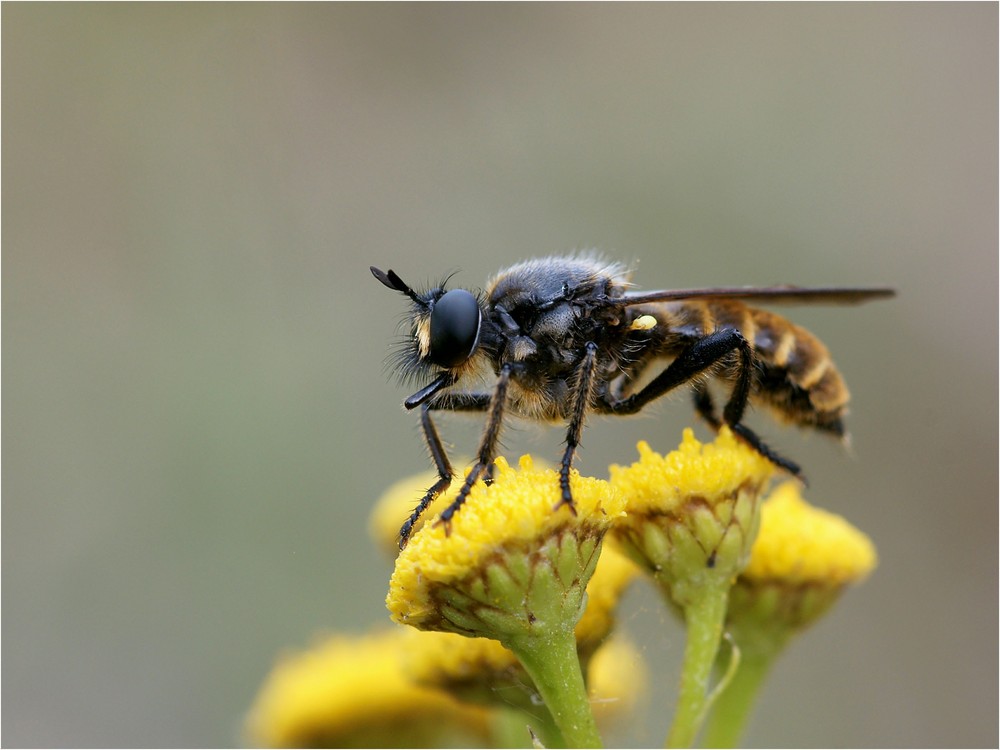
[705,407]
[581,402]
[487,446]
[752,439]
[693,361]
[461,402]
[456,402]
[444,470]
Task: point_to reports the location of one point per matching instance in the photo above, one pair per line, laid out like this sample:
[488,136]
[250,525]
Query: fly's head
[448,330]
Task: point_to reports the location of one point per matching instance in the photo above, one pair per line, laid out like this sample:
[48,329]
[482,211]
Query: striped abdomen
[795,377]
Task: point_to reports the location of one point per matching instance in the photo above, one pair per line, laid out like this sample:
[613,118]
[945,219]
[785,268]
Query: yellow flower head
[484,570]
[692,514]
[473,668]
[352,692]
[665,484]
[802,544]
[801,562]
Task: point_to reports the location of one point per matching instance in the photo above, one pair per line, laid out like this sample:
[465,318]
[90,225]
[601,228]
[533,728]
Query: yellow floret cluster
[661,484]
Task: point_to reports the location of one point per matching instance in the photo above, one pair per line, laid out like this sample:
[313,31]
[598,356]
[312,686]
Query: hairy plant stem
[552,663]
[704,616]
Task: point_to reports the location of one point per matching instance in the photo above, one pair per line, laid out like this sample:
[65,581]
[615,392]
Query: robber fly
[564,336]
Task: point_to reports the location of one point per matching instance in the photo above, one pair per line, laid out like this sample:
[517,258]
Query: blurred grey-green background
[196,418]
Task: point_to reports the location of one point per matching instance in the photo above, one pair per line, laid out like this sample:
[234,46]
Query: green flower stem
[704,616]
[732,709]
[552,663]
[511,728]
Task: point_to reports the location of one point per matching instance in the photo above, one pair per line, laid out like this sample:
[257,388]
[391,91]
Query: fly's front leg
[444,470]
[692,362]
[581,402]
[487,446]
[457,402]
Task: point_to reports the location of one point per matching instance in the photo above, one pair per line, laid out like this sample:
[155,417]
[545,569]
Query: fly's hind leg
[732,414]
[697,358]
[705,407]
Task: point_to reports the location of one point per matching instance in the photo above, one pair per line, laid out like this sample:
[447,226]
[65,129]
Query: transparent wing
[776,295]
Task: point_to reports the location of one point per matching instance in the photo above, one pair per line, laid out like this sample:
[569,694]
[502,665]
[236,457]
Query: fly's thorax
[543,280]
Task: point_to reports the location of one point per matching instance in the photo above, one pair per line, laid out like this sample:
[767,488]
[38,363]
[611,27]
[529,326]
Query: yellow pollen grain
[802,544]
[643,323]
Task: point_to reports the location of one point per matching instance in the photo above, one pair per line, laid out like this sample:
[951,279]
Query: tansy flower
[352,692]
[497,537]
[513,567]
[802,560]
[477,670]
[799,545]
[692,519]
[692,514]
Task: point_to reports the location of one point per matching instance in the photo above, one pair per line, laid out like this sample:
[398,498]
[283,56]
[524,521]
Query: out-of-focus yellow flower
[614,572]
[802,560]
[478,670]
[398,501]
[798,543]
[800,563]
[617,680]
[396,504]
[352,692]
[482,671]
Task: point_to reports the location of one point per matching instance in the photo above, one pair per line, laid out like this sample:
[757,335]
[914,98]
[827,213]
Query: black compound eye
[455,323]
